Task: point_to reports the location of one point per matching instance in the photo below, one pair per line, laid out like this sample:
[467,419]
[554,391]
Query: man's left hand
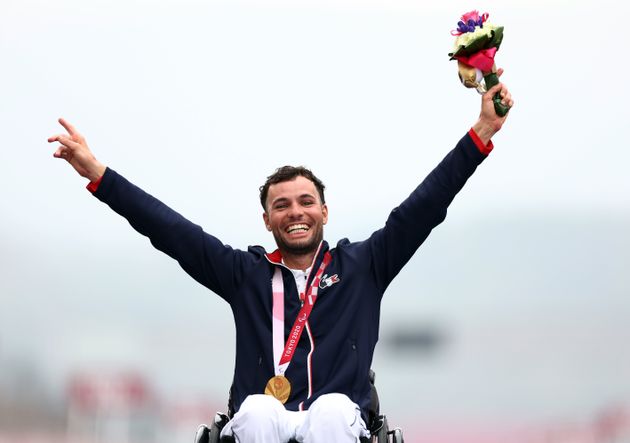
[489,122]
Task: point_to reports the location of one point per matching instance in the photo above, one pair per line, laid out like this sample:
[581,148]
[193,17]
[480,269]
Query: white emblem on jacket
[326,281]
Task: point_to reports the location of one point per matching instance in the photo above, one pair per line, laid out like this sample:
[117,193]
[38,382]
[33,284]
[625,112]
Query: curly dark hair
[287,173]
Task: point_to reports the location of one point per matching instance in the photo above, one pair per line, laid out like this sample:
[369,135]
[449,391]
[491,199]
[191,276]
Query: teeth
[294,228]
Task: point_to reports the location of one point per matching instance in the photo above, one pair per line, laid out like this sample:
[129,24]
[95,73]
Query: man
[306,316]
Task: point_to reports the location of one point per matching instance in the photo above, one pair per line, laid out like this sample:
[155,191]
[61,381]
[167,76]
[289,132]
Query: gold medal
[279,387]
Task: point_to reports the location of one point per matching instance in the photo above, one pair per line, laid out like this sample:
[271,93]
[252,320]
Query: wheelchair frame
[380,433]
[378,425]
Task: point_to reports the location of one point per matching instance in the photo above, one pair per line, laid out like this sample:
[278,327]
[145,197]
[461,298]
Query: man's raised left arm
[412,221]
[489,123]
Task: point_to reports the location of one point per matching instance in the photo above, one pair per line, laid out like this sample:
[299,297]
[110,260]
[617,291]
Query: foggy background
[511,321]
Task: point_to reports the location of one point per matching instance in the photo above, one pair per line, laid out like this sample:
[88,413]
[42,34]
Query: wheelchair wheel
[212,434]
[379,435]
[397,436]
[203,434]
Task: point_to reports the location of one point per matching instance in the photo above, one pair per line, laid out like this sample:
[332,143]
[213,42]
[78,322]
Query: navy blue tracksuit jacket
[343,326]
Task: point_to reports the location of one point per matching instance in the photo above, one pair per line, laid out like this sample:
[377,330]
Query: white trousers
[263,419]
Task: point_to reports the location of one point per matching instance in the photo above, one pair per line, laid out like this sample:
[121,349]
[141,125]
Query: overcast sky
[198,101]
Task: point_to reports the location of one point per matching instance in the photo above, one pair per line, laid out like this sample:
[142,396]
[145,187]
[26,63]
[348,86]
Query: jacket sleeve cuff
[93,186]
[484,149]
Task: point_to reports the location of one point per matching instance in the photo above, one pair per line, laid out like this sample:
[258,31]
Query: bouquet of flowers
[476,44]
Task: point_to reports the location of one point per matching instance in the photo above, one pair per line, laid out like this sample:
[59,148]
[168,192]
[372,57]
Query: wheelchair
[378,425]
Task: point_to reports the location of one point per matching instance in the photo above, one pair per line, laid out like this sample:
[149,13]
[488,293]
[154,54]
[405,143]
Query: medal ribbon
[309,297]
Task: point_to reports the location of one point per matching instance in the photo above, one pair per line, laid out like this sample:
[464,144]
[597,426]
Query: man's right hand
[74,149]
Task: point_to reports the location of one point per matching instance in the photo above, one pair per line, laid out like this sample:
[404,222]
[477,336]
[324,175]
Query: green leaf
[497,38]
[485,41]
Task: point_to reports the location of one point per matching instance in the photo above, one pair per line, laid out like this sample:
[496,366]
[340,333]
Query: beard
[299,247]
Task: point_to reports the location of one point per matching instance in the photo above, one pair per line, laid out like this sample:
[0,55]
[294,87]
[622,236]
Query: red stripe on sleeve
[93,186]
[484,149]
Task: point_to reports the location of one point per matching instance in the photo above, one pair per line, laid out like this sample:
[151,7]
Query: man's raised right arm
[74,149]
[201,255]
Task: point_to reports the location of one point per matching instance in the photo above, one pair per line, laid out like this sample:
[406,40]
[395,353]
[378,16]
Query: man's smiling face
[296,216]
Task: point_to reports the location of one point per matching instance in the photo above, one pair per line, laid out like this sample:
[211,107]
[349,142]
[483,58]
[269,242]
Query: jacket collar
[275,257]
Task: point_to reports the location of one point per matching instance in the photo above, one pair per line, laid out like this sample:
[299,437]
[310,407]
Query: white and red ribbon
[283,352]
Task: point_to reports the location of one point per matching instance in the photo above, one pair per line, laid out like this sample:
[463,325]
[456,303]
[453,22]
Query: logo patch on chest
[327,281]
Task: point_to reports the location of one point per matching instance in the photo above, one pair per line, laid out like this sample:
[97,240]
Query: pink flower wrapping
[483,60]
